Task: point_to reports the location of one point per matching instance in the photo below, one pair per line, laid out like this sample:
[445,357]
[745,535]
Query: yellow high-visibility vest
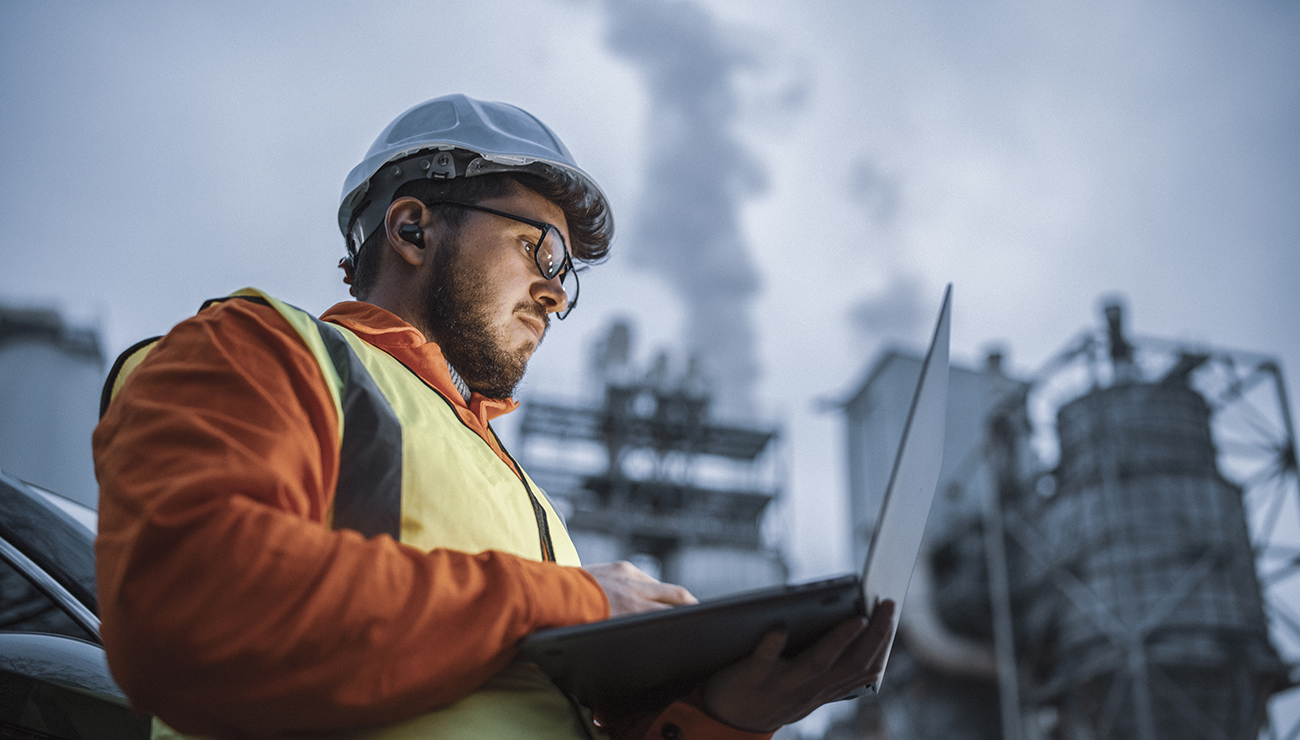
[410,467]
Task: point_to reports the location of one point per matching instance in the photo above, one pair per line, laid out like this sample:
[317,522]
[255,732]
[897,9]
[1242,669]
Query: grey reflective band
[368,497]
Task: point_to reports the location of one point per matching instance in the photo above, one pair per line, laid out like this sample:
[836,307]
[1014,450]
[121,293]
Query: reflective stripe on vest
[456,492]
[368,495]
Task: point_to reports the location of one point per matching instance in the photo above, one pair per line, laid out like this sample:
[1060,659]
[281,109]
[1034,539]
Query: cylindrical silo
[1158,628]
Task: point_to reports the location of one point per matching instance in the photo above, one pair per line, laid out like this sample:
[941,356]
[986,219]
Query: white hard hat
[458,137]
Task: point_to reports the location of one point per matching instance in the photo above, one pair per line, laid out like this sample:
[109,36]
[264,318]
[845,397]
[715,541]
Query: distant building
[875,414]
[49,401]
[950,671]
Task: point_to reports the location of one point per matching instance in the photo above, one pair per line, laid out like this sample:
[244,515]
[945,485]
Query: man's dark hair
[591,225]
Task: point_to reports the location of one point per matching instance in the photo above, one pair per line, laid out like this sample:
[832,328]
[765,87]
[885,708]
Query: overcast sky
[794,181]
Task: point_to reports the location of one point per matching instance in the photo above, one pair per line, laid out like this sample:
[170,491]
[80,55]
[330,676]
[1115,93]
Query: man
[307,526]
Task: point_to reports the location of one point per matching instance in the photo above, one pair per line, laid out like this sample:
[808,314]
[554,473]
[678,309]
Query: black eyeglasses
[550,253]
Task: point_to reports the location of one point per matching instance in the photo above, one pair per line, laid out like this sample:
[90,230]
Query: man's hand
[631,591]
[765,691]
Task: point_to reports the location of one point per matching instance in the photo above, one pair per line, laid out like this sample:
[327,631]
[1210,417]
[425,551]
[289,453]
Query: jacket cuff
[561,596]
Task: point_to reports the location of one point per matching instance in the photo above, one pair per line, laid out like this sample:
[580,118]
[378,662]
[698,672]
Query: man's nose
[551,294]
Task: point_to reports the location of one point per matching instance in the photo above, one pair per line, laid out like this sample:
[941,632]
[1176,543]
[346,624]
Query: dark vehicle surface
[54,679]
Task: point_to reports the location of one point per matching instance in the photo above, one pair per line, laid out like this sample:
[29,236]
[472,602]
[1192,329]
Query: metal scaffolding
[648,474]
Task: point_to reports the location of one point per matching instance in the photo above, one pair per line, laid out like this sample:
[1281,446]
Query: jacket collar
[383,329]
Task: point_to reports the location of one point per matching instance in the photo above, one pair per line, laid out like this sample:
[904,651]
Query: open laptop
[643,661]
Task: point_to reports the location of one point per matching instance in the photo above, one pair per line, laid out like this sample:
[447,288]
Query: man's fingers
[626,570]
[882,617]
[666,593]
[869,649]
[826,651]
[769,648]
[630,590]
[764,692]
[854,648]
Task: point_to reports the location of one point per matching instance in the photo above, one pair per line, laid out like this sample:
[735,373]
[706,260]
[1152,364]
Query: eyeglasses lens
[551,258]
[550,255]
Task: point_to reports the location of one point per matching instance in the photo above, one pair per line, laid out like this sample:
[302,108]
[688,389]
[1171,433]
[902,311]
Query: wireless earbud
[412,233]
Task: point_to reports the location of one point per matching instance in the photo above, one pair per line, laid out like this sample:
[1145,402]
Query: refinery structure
[644,472]
[1114,550]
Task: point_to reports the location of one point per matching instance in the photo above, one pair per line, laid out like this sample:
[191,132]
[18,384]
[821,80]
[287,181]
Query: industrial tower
[1116,555]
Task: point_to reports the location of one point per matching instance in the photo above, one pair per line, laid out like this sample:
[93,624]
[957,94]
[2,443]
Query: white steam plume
[697,175]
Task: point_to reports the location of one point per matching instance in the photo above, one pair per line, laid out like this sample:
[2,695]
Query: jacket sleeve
[229,607]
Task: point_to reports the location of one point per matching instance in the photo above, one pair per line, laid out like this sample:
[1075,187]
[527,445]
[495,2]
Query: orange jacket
[229,607]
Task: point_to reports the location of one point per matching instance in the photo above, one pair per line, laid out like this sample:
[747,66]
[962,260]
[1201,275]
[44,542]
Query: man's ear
[405,227]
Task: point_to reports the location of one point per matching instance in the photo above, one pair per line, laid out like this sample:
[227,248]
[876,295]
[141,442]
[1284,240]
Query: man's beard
[459,320]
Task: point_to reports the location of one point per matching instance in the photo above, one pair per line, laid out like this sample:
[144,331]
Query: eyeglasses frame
[544,228]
